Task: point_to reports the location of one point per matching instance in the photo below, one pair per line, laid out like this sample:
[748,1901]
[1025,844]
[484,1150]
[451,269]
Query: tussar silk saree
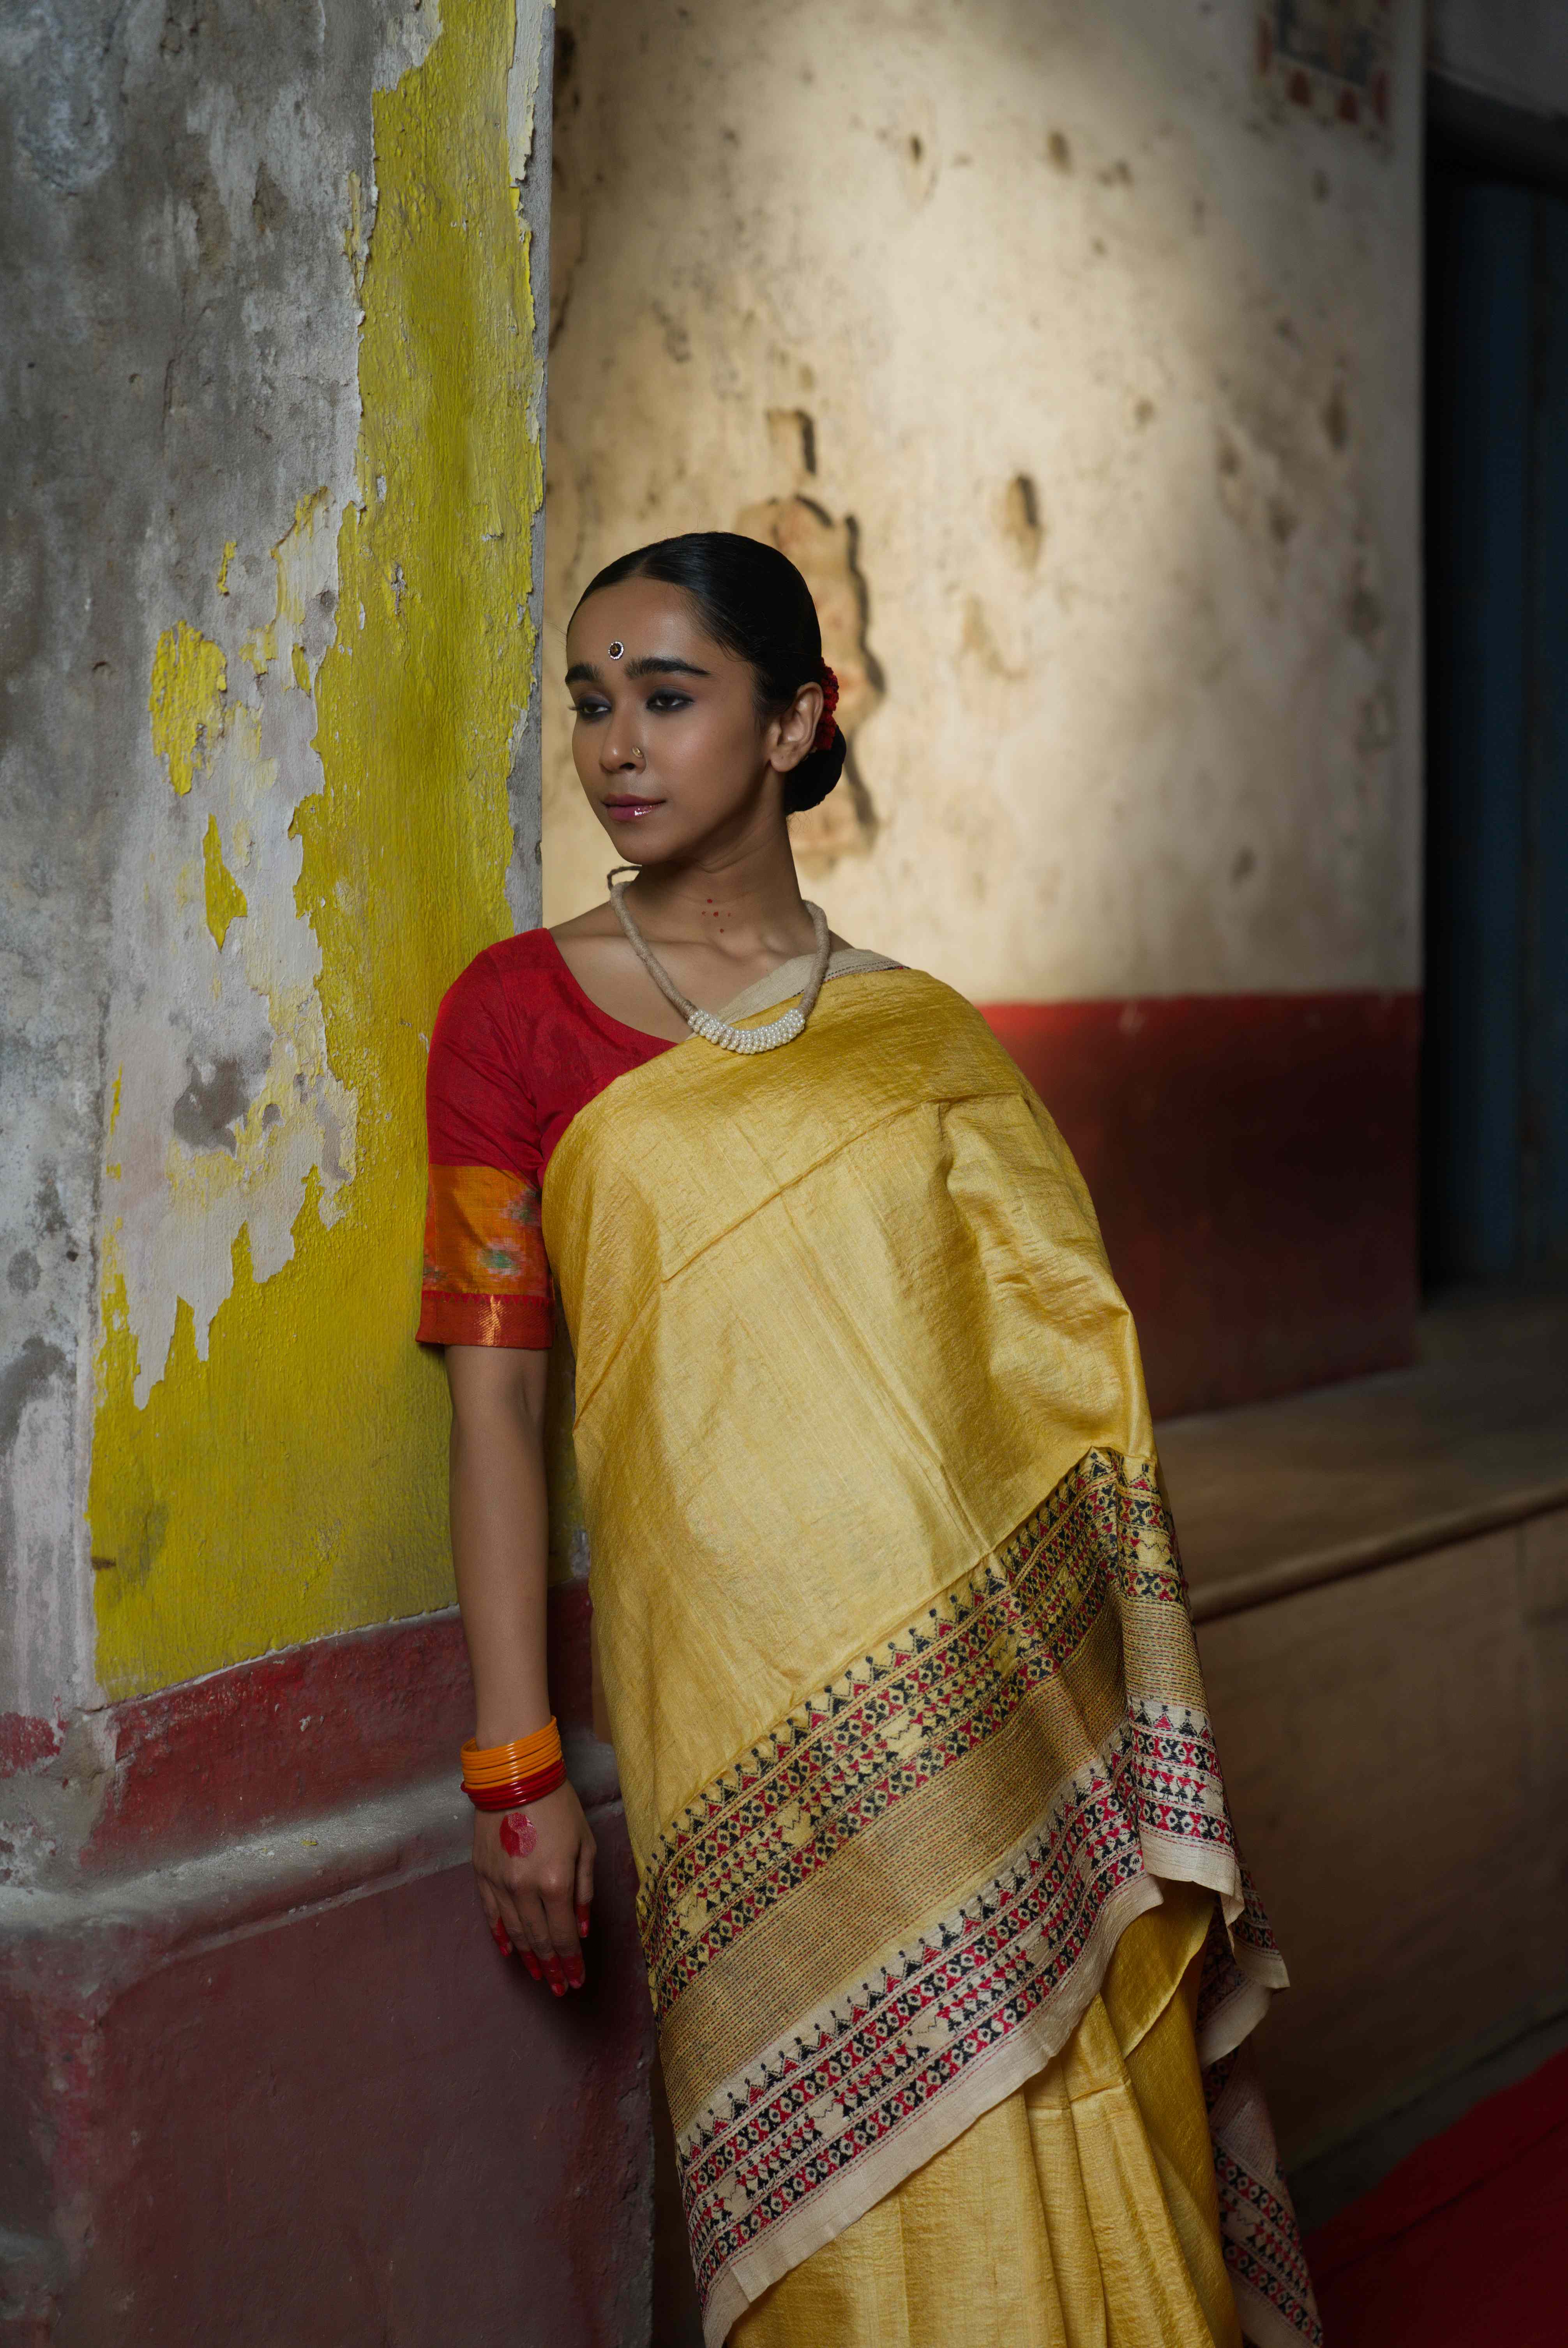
[896,1656]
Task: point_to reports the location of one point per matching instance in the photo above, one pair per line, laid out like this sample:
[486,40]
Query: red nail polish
[582,1924]
[533,1964]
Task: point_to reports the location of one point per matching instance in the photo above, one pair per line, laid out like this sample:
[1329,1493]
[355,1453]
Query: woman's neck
[744,902]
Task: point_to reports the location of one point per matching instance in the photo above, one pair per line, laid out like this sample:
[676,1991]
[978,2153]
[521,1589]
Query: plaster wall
[1518,54]
[272,482]
[1094,364]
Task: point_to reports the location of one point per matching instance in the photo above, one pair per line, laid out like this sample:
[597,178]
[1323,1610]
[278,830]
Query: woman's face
[668,744]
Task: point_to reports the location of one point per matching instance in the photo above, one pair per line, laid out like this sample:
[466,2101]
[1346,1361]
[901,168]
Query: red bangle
[520,1792]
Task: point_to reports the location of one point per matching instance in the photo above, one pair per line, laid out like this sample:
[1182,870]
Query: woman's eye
[590,708]
[667,701]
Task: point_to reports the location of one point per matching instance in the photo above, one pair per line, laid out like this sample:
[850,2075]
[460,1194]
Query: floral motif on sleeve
[486,1280]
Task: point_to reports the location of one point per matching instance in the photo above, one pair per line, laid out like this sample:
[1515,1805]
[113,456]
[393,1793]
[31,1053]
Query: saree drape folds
[893,1634]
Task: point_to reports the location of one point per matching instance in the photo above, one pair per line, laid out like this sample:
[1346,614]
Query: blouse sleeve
[486,1281]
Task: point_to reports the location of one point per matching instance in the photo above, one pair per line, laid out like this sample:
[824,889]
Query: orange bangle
[500,1765]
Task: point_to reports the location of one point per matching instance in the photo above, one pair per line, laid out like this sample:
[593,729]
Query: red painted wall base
[266,2078]
[1253,1161]
[335,2125]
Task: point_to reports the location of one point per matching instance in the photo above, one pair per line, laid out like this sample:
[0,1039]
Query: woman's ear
[796,729]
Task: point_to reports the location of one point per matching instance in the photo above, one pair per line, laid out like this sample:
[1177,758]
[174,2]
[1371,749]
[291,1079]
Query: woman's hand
[534,1873]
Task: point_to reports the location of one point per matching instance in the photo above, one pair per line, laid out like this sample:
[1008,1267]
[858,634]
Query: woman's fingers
[566,1950]
[535,1870]
[533,1928]
[584,1886]
[503,1935]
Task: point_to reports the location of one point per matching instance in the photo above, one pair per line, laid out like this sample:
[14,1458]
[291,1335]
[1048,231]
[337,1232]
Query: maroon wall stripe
[1252,1160]
[290,1734]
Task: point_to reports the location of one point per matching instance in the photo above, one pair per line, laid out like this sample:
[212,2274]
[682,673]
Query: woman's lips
[629,810]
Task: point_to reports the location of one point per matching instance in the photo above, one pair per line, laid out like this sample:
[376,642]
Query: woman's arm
[534,1867]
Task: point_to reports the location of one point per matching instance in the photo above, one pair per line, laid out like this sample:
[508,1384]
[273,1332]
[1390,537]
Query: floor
[1462,2242]
[1476,1429]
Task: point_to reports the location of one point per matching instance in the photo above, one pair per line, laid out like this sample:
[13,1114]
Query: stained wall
[272,489]
[1074,354]
[1517,56]
[1113,362]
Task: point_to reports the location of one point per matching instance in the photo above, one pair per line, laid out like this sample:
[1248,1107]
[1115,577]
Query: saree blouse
[517,1050]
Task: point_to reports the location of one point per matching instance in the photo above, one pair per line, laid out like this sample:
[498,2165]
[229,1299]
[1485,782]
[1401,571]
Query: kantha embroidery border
[879,2057]
[894,1720]
[876,2061]
[1262,2240]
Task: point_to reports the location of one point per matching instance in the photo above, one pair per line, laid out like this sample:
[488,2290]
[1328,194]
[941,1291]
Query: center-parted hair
[753,602]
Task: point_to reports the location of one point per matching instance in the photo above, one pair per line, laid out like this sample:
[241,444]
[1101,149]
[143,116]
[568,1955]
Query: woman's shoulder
[500,1004]
[509,970]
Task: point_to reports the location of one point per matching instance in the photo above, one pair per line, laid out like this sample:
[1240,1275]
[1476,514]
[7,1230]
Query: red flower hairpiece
[825,725]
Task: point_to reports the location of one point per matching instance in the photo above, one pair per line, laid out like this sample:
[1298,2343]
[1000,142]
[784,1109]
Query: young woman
[942,1911]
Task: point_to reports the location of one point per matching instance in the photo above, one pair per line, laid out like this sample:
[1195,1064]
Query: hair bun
[807,785]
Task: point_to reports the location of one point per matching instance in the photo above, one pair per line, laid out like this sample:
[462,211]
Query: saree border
[835,2109]
[893,1719]
[903,2133]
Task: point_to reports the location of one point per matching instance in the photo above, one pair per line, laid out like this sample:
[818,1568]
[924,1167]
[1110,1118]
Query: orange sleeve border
[448,1319]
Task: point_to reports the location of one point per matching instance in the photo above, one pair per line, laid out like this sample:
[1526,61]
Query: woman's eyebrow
[664,665]
[582,672]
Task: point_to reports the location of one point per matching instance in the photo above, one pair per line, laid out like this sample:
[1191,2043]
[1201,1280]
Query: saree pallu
[893,1634]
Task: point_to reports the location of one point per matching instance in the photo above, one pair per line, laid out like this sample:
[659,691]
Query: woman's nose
[621,747]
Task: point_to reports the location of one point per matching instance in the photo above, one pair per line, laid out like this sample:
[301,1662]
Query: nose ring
[642,761]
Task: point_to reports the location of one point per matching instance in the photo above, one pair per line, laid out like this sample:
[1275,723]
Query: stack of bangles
[511,1777]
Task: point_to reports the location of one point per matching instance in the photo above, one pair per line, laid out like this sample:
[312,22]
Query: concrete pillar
[269,625]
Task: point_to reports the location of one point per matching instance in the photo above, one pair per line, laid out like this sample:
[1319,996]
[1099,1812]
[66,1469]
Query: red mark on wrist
[517,1836]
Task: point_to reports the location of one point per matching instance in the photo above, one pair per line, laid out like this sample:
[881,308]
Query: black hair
[753,602]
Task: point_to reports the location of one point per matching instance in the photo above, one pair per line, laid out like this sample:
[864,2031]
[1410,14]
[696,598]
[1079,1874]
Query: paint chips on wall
[1328,58]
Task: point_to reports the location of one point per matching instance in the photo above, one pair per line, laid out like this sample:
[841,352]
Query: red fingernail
[582,1924]
[498,1934]
[577,1976]
[533,1964]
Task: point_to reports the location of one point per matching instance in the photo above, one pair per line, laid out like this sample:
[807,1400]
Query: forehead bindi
[645,618]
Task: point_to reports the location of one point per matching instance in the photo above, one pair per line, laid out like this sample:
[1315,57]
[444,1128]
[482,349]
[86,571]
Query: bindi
[615,649]
[517,1836]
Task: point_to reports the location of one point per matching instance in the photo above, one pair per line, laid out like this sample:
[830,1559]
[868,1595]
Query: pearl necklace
[714,1030]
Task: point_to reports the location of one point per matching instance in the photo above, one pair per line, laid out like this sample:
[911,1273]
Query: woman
[939,1897]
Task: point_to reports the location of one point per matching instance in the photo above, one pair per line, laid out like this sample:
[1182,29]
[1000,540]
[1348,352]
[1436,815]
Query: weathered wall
[1073,353]
[1518,54]
[273,485]
[269,616]
[1113,359]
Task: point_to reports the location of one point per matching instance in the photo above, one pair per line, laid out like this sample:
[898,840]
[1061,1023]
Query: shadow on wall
[826,554]
[1072,355]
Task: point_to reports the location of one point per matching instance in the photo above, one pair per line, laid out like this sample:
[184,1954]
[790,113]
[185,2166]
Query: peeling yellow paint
[190,678]
[353,234]
[293,558]
[231,548]
[291,1483]
[225,898]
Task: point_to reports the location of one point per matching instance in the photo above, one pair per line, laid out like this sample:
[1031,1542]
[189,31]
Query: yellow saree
[893,1635]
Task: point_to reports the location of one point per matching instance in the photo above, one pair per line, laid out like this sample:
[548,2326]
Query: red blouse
[517,1049]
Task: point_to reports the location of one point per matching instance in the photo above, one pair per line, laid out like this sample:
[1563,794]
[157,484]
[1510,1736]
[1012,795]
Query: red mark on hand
[517,1836]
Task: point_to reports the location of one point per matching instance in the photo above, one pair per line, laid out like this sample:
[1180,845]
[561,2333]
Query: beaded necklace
[783,1030]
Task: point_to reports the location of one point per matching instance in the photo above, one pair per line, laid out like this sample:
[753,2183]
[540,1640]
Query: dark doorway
[1495,1061]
